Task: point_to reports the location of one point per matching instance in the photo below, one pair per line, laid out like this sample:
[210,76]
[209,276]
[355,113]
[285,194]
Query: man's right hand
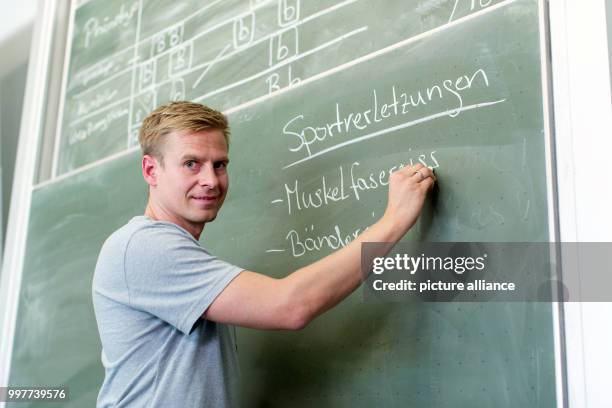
[408,188]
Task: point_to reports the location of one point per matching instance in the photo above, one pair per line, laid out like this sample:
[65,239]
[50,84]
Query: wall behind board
[12,88]
[609,20]
[15,37]
[325,99]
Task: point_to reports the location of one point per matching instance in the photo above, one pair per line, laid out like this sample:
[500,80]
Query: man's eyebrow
[191,156]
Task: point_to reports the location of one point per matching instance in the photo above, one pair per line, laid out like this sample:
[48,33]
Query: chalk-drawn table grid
[161,67]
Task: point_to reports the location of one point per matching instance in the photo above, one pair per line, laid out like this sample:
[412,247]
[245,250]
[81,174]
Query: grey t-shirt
[152,283]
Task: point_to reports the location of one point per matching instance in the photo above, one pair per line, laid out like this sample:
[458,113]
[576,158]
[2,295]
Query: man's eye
[190,164]
[220,165]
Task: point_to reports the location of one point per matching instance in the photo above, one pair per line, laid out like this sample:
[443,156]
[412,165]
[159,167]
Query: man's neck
[158,214]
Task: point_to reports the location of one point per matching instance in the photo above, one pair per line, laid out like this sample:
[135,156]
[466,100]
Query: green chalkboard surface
[325,99]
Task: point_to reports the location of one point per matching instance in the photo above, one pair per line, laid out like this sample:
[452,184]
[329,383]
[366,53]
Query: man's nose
[208,177]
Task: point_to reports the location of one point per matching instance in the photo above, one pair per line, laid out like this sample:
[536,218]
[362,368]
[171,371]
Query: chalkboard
[325,99]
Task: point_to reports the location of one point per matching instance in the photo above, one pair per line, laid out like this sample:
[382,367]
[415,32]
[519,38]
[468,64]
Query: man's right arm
[258,301]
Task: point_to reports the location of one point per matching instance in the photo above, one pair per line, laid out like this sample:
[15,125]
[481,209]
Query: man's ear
[149,169]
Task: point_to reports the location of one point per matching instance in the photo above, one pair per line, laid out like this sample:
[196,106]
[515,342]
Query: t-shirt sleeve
[172,277]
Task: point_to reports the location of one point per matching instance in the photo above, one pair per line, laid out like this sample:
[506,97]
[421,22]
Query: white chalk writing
[309,241]
[95,126]
[94,27]
[306,136]
[347,184]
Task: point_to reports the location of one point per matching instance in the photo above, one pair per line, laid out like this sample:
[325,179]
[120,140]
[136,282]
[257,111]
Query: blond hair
[182,116]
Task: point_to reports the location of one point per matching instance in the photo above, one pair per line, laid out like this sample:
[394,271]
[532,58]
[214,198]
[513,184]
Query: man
[164,304]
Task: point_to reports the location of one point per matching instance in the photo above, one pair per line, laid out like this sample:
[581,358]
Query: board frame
[581,73]
[31,128]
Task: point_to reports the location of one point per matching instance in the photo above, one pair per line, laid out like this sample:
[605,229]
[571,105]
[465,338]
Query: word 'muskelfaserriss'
[349,183]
